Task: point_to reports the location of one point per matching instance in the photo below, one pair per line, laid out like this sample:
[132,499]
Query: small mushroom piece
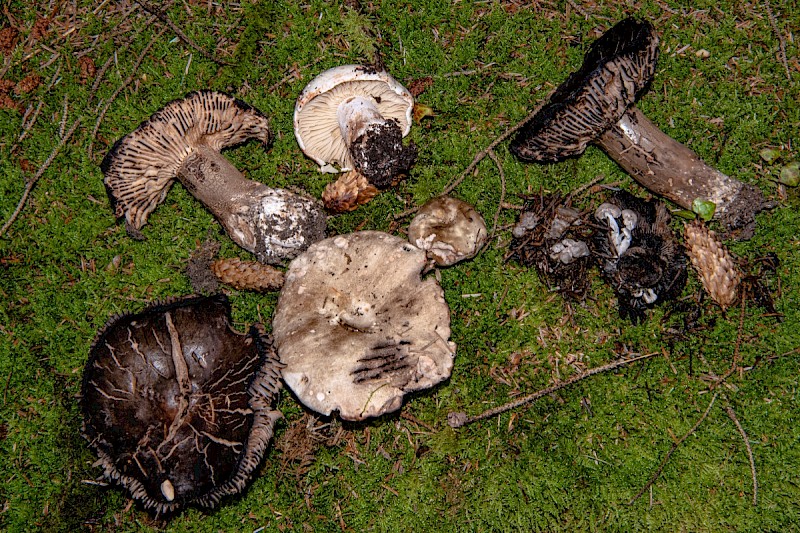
[448,229]
[355,117]
[177,405]
[357,328]
[551,237]
[596,105]
[639,254]
[183,140]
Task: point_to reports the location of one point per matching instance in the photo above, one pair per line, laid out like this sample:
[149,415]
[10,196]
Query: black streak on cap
[180,428]
[615,71]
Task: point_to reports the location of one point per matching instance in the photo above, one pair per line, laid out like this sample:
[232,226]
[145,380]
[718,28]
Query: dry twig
[493,157]
[672,449]
[29,186]
[732,415]
[480,156]
[781,42]
[163,17]
[457,420]
[119,89]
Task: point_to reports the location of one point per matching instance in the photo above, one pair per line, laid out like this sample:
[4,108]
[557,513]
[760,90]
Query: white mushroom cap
[357,328]
[316,120]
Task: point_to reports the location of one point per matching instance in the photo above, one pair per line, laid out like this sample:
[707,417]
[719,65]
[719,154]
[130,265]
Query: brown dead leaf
[87,69]
[27,84]
[8,39]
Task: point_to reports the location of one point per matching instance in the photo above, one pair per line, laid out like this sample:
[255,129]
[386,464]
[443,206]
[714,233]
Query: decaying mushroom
[448,229]
[354,118]
[183,140]
[638,253]
[357,328]
[596,105]
[552,237]
[177,405]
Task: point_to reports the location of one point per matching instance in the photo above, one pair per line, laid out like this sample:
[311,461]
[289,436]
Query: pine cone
[247,275]
[348,192]
[714,263]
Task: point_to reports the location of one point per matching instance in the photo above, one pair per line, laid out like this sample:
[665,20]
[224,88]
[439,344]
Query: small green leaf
[790,174]
[769,154]
[685,213]
[704,208]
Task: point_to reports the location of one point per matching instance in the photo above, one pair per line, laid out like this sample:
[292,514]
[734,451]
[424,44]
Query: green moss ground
[573,460]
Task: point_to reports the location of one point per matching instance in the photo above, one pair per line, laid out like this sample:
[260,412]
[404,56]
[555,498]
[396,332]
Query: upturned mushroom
[596,105]
[357,328]
[354,117]
[183,140]
[177,405]
[448,229]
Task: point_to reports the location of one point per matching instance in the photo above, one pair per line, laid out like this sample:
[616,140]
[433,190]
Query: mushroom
[357,328]
[177,405]
[183,140]
[596,105]
[551,237]
[639,254]
[448,229]
[356,117]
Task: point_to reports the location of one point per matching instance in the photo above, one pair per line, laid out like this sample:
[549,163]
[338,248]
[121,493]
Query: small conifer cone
[714,263]
[247,275]
[348,192]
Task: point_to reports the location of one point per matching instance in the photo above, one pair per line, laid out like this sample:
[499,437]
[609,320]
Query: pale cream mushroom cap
[448,229]
[357,328]
[316,125]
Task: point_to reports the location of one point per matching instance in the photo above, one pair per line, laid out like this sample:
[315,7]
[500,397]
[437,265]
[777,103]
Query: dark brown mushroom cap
[617,68]
[180,428]
[140,167]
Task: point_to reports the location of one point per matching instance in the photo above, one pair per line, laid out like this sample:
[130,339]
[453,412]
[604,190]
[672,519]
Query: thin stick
[119,89]
[27,126]
[674,447]
[457,420]
[39,173]
[781,42]
[493,157]
[163,17]
[480,156]
[732,415]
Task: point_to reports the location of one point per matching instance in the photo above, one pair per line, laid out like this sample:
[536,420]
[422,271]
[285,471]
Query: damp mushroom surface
[354,117]
[178,406]
[183,141]
[357,328]
[596,105]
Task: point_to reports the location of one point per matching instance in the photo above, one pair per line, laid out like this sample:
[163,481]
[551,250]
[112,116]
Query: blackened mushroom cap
[615,71]
[357,328]
[141,166]
[177,405]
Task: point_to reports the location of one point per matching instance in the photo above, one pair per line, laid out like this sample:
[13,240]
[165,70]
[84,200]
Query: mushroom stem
[254,215]
[670,169]
[374,142]
[356,115]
